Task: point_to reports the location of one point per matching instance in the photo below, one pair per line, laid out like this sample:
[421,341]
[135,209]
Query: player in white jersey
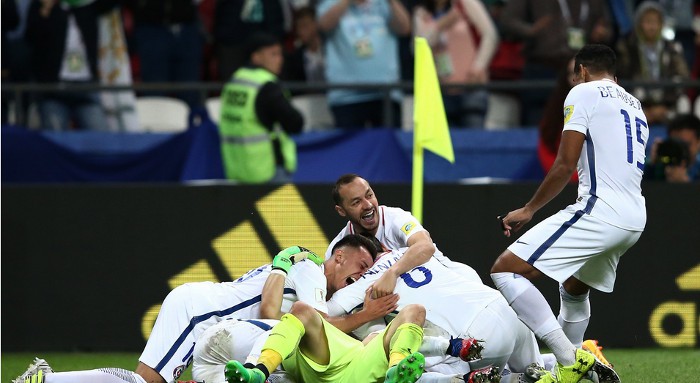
[395,228]
[605,131]
[459,306]
[190,309]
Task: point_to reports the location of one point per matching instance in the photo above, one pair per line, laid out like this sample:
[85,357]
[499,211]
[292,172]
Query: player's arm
[553,184]
[273,290]
[372,309]
[420,249]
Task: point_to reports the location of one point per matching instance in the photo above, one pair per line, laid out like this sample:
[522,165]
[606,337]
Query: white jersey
[396,226]
[305,282]
[190,309]
[433,285]
[611,164]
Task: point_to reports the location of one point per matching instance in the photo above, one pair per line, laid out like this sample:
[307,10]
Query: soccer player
[312,350]
[190,309]
[457,306]
[394,227]
[606,131]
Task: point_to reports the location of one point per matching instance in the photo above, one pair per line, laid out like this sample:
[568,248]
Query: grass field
[633,365]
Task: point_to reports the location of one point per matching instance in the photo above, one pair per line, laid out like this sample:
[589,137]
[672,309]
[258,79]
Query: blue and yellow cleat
[234,372]
[409,370]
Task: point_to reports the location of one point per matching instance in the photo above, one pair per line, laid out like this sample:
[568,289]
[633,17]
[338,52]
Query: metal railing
[17,91]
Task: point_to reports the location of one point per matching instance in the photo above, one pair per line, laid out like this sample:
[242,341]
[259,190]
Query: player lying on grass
[231,339]
[313,350]
[190,309]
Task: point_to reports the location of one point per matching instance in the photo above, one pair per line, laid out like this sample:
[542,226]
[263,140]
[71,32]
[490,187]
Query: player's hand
[292,255]
[515,220]
[378,308]
[384,285]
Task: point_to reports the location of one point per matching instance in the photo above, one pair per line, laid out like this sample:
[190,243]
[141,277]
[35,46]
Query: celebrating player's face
[359,205]
[353,262]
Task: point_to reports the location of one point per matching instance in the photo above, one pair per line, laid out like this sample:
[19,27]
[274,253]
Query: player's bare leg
[149,374]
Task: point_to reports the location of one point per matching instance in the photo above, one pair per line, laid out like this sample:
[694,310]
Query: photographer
[676,158]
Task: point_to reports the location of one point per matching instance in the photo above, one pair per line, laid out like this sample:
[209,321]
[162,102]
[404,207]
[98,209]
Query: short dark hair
[257,41]
[305,11]
[356,241]
[684,121]
[375,241]
[597,58]
[342,181]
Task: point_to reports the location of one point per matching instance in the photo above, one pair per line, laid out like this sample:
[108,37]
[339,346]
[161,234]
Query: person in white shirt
[192,308]
[457,305]
[605,131]
[394,227]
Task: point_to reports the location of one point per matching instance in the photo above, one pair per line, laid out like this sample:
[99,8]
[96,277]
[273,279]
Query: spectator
[679,24]
[552,123]
[506,65]
[256,117]
[553,30]
[362,47]
[677,159]
[306,62]
[10,21]
[63,39]
[461,55]
[235,21]
[645,55]
[169,40]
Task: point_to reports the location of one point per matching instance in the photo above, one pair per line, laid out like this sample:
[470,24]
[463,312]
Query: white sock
[534,311]
[574,315]
[437,377]
[434,346]
[102,375]
[549,361]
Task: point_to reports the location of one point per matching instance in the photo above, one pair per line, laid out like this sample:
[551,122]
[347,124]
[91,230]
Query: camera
[670,152]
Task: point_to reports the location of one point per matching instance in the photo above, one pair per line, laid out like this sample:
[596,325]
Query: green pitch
[633,365]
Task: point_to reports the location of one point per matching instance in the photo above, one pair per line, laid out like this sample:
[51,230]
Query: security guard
[256,118]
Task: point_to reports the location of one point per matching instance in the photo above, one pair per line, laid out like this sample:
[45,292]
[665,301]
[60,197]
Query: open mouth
[350,280]
[368,216]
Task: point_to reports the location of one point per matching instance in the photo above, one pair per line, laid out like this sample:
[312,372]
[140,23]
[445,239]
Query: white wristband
[278,271]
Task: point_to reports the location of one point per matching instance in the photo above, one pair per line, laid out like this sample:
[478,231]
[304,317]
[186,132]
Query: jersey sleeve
[309,283]
[351,296]
[401,225]
[577,108]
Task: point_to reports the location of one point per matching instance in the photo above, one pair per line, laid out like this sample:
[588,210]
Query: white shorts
[574,243]
[232,339]
[506,339]
[186,312]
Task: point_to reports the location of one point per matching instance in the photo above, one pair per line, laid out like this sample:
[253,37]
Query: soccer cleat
[572,374]
[234,372]
[35,372]
[534,372]
[408,370]
[602,373]
[467,349]
[488,374]
[591,345]
[547,377]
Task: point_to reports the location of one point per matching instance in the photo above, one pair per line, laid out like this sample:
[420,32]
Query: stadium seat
[696,106]
[162,114]
[407,113]
[314,108]
[213,105]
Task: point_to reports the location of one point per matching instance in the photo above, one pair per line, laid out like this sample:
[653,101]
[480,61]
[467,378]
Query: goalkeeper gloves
[291,255]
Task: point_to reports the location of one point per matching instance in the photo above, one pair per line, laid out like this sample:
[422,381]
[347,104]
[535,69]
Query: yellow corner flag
[430,129]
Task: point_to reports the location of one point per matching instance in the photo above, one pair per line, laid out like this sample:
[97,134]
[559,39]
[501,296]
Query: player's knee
[414,313]
[304,312]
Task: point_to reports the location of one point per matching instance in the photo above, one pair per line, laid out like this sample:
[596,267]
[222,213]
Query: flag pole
[417,184]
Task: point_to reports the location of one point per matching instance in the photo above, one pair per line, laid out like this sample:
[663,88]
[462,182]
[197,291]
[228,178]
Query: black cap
[258,41]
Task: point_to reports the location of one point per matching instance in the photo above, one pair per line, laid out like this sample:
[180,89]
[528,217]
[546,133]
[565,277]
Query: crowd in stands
[343,43]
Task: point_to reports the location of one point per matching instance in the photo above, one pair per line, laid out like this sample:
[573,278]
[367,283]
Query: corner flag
[430,123]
